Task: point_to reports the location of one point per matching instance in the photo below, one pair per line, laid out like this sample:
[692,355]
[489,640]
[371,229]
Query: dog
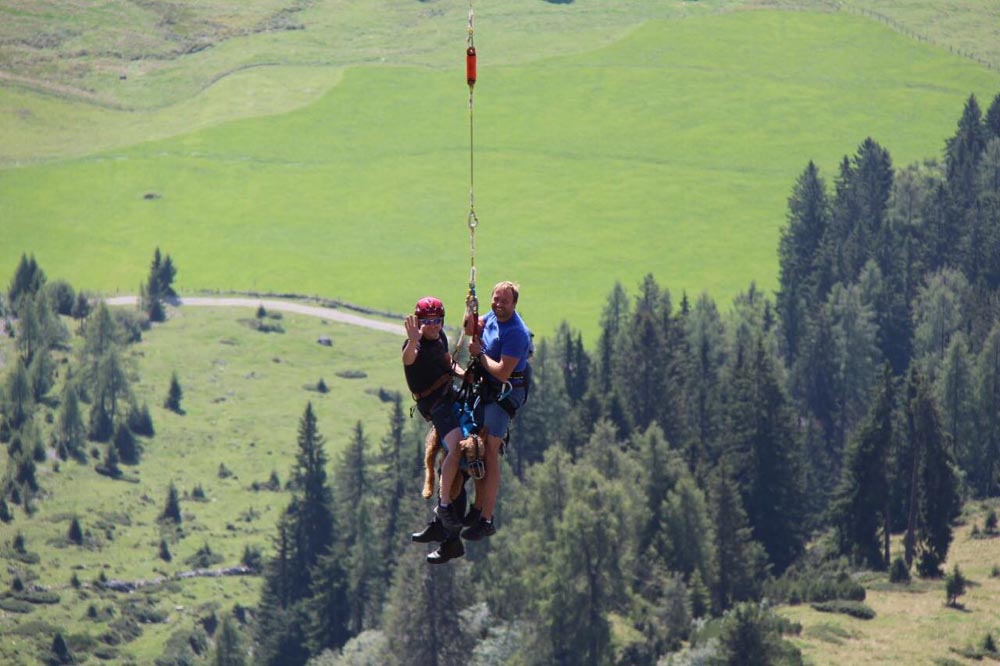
[473,450]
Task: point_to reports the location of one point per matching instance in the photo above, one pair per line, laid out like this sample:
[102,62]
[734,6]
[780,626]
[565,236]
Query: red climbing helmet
[428,306]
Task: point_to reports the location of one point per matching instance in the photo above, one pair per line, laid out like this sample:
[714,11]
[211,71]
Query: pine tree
[764,445]
[546,417]
[28,279]
[174,394]
[70,431]
[60,653]
[613,319]
[660,470]
[988,408]
[808,217]
[641,372]
[229,650]
[934,497]
[955,393]
[75,532]
[688,529]
[305,538]
[572,608]
[955,585]
[17,395]
[129,451]
[110,388]
[172,508]
[962,154]
[860,504]
[991,122]
[416,628]
[739,560]
[705,335]
[389,489]
[938,315]
[158,286]
[856,357]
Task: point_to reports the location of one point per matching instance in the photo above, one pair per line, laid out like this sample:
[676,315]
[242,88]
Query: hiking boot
[472,517]
[433,532]
[451,523]
[448,550]
[482,529]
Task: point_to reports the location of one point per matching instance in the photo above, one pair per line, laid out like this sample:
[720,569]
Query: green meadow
[243,394]
[670,151]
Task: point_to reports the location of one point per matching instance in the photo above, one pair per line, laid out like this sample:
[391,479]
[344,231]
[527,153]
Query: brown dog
[472,449]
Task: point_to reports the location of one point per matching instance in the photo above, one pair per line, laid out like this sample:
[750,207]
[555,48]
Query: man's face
[430,327]
[503,304]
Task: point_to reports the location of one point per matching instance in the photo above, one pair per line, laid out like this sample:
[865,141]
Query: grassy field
[678,163]
[913,625]
[244,392]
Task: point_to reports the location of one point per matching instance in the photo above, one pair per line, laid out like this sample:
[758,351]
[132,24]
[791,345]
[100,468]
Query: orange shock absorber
[470,65]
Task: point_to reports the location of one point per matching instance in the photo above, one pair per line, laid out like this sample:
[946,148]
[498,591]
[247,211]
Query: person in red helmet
[429,369]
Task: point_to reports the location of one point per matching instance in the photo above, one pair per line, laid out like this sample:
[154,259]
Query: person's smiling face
[503,304]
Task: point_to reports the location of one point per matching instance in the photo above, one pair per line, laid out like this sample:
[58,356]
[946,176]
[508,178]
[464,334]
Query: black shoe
[451,523]
[484,528]
[448,550]
[472,517]
[433,532]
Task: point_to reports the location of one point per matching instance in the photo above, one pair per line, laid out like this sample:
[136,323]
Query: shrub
[991,522]
[165,551]
[321,386]
[224,472]
[15,605]
[130,323]
[954,586]
[139,420]
[61,296]
[198,493]
[853,608]
[204,558]
[252,558]
[899,572]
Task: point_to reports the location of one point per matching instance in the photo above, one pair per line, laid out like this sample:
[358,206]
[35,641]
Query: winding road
[331,314]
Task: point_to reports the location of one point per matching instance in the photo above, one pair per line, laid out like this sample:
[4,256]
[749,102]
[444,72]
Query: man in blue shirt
[502,350]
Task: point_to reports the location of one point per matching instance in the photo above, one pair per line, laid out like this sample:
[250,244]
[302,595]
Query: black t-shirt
[431,363]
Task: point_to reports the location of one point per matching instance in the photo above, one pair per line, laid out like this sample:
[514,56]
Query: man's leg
[450,519]
[450,466]
[491,482]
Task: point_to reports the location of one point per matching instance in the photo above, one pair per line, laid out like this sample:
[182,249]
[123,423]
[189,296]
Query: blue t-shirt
[510,338]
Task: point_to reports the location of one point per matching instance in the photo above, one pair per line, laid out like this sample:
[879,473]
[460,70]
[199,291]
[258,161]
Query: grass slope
[671,152]
[244,392]
[913,625]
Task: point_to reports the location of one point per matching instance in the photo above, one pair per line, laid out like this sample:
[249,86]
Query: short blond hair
[507,285]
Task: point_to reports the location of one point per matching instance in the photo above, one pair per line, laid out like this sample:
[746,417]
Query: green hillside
[671,152]
[243,393]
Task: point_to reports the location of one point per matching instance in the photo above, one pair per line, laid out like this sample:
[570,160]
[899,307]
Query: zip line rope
[470,326]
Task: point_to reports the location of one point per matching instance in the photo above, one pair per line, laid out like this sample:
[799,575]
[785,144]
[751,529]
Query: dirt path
[331,314]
